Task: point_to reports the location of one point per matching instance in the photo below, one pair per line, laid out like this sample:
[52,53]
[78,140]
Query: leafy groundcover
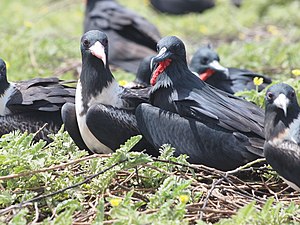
[59,184]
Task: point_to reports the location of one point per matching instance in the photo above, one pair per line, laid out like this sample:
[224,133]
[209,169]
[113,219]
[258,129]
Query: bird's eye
[204,60]
[105,42]
[270,95]
[292,94]
[157,48]
[86,43]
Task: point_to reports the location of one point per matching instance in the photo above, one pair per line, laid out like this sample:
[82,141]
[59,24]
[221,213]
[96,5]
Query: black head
[3,79]
[205,58]
[170,47]
[144,72]
[95,74]
[281,109]
[171,51]
[94,46]
[282,99]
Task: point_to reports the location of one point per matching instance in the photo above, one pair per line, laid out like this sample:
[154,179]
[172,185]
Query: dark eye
[270,95]
[292,94]
[204,60]
[86,43]
[157,48]
[105,42]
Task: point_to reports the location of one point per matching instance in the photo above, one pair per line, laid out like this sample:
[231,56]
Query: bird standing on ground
[282,131]
[29,105]
[133,36]
[206,63]
[213,127]
[103,115]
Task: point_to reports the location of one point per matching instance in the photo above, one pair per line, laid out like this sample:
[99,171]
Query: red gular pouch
[161,67]
[204,76]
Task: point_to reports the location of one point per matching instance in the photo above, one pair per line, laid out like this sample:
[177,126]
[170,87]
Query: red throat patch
[161,67]
[204,76]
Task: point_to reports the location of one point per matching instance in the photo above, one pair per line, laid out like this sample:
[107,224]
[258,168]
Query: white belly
[4,99]
[89,139]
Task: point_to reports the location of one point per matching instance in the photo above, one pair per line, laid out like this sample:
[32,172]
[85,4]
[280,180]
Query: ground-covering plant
[59,184]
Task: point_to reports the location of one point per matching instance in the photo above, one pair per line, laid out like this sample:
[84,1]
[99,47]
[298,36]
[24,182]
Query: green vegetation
[41,38]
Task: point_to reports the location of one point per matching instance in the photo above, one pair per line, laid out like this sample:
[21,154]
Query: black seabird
[282,131]
[143,74]
[133,36]
[207,117]
[103,115]
[179,7]
[206,63]
[29,105]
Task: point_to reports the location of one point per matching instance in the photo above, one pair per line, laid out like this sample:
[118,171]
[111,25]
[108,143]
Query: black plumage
[28,105]
[133,36]
[104,111]
[199,141]
[206,63]
[282,128]
[178,90]
[182,6]
[143,74]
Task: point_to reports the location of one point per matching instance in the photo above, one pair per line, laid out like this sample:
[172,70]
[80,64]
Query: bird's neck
[4,85]
[167,83]
[94,78]
[95,75]
[276,122]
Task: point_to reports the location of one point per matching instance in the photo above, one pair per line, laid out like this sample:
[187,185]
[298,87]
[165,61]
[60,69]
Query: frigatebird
[202,114]
[179,7]
[282,129]
[143,74]
[103,115]
[30,104]
[206,63]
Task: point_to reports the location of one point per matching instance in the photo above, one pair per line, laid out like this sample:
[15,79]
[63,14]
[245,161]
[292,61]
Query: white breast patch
[108,97]
[5,98]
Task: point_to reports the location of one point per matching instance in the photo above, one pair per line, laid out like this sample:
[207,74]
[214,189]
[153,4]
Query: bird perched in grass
[211,126]
[282,129]
[103,115]
[206,63]
[133,37]
[30,104]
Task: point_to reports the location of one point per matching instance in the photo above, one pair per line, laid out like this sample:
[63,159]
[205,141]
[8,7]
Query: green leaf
[100,213]
[19,218]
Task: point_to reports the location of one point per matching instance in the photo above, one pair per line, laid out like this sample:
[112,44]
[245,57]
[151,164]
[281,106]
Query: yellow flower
[123,82]
[115,201]
[203,29]
[183,198]
[272,30]
[258,81]
[242,36]
[296,72]
[28,24]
